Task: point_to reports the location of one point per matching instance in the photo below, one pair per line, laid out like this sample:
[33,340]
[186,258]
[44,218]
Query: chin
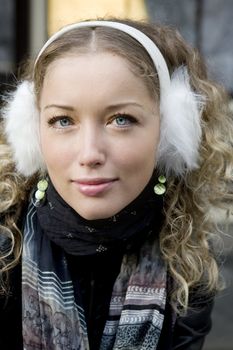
[97,214]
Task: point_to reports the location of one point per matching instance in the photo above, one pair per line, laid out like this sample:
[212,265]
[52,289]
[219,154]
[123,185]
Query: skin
[99,130]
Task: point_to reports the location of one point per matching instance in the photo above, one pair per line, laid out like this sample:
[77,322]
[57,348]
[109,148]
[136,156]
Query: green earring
[39,195]
[160,187]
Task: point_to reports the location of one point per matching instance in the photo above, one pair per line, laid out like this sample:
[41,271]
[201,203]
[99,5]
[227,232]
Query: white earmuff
[180,109]
[21,118]
[180,130]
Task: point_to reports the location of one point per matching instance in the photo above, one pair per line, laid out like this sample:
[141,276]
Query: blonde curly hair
[188,233]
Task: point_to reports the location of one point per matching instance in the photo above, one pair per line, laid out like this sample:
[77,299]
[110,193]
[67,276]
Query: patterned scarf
[54,320]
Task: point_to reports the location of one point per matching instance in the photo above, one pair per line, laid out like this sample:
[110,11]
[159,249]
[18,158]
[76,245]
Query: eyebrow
[107,109]
[121,105]
[69,108]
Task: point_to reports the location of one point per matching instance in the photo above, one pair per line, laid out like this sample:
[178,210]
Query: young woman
[117,148]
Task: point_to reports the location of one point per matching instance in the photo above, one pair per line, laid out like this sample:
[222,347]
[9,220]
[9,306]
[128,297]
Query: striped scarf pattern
[54,320]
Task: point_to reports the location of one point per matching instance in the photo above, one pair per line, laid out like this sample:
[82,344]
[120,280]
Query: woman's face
[99,130]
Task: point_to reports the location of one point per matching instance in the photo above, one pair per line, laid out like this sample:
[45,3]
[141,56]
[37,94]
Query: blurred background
[206,24]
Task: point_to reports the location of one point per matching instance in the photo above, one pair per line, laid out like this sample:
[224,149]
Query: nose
[92,149]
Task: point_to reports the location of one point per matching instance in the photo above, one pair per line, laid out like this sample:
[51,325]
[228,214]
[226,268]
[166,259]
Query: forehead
[91,60]
[98,72]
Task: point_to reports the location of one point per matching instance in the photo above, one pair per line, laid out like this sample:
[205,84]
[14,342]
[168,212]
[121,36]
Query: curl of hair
[13,194]
[188,234]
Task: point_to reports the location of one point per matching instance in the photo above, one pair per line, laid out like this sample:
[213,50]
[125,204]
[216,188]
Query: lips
[94,187]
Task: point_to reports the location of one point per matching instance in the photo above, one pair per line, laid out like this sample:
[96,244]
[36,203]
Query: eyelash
[128,117]
[55,119]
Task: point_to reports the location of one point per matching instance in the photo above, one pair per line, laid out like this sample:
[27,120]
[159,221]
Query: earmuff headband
[145,41]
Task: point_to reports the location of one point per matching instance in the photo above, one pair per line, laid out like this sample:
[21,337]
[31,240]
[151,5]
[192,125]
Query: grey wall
[7,35]
[206,24]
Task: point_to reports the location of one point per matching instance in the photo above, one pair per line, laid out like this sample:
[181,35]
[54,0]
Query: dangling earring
[39,196]
[160,188]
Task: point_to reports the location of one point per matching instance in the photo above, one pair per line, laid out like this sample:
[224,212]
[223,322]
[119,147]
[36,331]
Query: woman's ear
[21,121]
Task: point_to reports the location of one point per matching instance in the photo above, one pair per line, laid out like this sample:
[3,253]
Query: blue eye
[60,122]
[64,122]
[124,120]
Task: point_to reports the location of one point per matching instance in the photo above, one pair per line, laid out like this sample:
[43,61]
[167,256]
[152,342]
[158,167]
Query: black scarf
[78,236]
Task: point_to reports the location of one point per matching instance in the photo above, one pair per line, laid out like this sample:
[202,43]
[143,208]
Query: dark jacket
[188,333]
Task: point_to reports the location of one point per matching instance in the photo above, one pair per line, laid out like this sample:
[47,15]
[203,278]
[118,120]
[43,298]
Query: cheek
[56,155]
[138,156]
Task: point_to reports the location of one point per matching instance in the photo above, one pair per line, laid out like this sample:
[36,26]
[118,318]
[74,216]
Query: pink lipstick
[94,187]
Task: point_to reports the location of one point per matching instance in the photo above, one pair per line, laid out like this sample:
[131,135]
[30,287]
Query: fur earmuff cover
[21,119]
[180,130]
